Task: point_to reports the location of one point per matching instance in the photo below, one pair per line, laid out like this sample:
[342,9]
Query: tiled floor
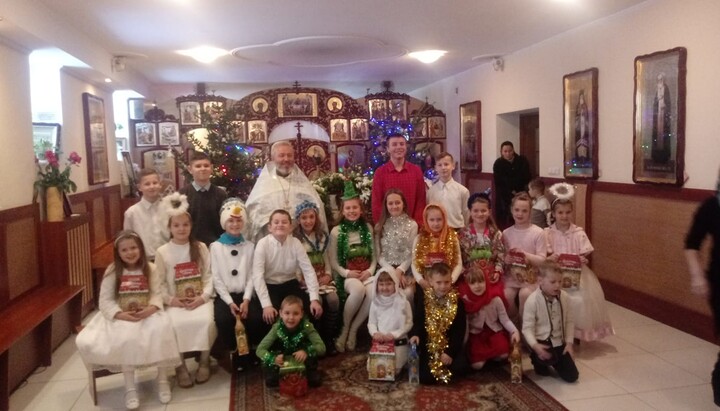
[645,366]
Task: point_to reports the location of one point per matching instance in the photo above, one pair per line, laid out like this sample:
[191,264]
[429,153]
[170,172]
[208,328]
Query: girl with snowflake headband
[315,240]
[353,259]
[564,239]
[183,264]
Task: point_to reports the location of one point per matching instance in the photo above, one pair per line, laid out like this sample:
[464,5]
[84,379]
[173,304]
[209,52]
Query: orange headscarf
[443,235]
[447,239]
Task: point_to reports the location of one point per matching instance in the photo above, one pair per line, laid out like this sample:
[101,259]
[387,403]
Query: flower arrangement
[334,183]
[49,174]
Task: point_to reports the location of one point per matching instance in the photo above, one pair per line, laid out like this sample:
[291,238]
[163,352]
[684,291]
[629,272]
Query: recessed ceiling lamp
[427,56]
[204,54]
[108,80]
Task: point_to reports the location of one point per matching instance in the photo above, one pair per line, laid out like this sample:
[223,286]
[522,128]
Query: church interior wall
[628,220]
[531,79]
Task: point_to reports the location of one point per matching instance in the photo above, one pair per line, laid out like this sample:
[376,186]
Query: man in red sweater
[399,173]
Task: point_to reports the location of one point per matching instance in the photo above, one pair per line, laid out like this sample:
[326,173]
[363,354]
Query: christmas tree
[380,129]
[236,166]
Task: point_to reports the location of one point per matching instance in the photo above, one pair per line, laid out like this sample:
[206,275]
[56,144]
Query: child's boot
[203,371]
[183,377]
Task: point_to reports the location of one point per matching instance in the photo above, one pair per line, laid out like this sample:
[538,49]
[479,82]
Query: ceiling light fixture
[427,56]
[204,54]
[108,80]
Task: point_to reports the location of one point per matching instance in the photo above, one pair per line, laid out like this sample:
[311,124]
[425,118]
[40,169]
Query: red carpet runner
[346,388]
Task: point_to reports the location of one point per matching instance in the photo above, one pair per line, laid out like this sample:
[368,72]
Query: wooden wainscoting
[38,308]
[639,235]
[19,266]
[106,208]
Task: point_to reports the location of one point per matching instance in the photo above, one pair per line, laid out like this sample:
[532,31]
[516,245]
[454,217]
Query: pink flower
[74,158]
[51,157]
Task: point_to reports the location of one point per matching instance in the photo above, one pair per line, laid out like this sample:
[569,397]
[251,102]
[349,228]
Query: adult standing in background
[403,175]
[511,173]
[707,284]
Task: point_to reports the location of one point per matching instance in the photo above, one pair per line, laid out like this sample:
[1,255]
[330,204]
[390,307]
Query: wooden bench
[100,260]
[30,312]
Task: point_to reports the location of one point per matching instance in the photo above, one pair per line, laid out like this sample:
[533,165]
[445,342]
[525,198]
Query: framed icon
[580,114]
[358,129]
[260,105]
[297,105]
[169,133]
[339,129]
[190,113]
[257,132]
[145,134]
[659,117]
[334,104]
[470,142]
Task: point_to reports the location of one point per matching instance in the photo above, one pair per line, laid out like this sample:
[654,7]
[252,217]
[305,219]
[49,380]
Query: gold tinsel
[439,315]
[426,245]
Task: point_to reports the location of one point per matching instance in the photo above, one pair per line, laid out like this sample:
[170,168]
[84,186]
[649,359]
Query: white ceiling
[345,45]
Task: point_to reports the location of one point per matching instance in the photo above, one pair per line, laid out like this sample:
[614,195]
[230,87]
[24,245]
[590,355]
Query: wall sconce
[498,64]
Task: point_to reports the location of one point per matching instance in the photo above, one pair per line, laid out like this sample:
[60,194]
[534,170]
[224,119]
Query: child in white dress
[592,320]
[390,317]
[184,267]
[131,331]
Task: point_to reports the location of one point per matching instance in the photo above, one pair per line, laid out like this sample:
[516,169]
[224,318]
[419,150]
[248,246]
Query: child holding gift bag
[131,331]
[592,320]
[353,259]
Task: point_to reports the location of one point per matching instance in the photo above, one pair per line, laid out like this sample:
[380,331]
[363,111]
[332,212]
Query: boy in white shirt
[548,326]
[277,257]
[140,217]
[447,192]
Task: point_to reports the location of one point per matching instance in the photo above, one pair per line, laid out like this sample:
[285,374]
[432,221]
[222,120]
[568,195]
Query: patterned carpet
[346,388]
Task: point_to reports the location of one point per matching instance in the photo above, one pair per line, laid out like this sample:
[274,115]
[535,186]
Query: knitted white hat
[232,207]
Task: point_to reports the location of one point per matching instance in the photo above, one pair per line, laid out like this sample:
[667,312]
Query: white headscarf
[390,308]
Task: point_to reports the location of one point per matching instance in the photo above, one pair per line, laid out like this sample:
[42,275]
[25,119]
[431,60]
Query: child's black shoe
[314,379]
[272,382]
[543,370]
[238,363]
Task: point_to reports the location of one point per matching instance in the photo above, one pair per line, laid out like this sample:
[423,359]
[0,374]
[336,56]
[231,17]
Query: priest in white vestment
[281,185]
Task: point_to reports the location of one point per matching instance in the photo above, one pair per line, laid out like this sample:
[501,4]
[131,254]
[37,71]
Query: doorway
[530,140]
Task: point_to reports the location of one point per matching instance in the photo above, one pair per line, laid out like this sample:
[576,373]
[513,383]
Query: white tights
[357,306]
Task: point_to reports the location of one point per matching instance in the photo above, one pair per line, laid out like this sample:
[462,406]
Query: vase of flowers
[55,182]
